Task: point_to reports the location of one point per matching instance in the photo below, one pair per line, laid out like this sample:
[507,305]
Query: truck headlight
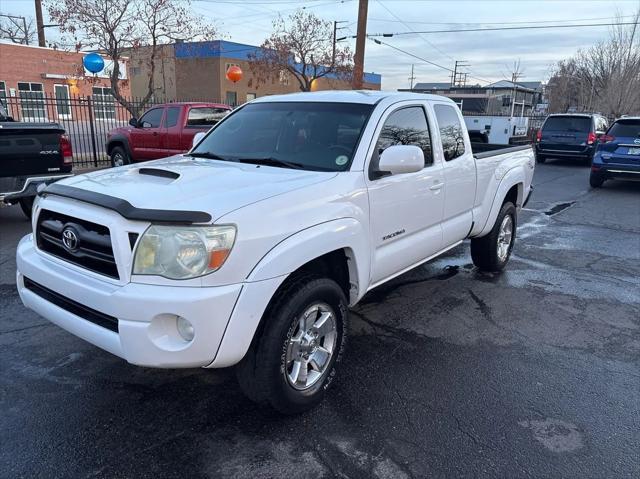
[183,252]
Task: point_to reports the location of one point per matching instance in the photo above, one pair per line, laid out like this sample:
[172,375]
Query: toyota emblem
[637,142]
[70,239]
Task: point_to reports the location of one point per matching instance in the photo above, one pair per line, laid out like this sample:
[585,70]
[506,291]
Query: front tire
[540,158]
[26,204]
[492,252]
[293,358]
[119,157]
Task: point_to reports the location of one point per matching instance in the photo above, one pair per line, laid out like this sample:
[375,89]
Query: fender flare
[304,246]
[119,139]
[274,268]
[510,178]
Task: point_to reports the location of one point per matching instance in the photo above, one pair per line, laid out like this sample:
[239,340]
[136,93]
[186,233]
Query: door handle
[436,187]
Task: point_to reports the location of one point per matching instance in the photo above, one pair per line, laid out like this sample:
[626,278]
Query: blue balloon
[93,62]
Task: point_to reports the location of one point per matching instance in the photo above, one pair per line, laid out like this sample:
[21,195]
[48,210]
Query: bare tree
[17,29]
[302,46]
[120,28]
[604,78]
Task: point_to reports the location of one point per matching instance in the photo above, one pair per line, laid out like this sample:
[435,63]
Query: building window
[232,98]
[63,102]
[104,104]
[32,101]
[251,96]
[3,94]
[283,77]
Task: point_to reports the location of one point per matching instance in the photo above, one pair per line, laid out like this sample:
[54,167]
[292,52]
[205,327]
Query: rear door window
[575,124]
[173,113]
[451,132]
[601,124]
[625,129]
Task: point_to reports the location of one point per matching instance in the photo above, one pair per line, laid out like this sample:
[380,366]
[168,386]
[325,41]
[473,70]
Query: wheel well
[116,143]
[514,195]
[333,265]
[337,265]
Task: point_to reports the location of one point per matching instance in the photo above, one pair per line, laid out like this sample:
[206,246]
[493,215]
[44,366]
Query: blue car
[618,153]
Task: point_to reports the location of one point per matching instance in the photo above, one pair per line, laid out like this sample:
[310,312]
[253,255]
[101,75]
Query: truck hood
[184,183]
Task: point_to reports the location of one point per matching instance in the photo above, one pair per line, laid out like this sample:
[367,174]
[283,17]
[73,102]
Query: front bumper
[146,332]
[29,187]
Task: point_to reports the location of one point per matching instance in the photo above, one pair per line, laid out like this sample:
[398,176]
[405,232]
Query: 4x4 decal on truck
[393,235]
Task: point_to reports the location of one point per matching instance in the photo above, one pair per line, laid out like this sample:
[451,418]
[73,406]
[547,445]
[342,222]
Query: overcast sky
[491,54]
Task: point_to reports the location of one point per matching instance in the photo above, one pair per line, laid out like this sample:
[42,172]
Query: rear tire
[492,252]
[287,365]
[26,204]
[596,180]
[119,157]
[540,158]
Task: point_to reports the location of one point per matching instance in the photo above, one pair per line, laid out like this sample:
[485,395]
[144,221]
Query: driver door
[405,209]
[148,139]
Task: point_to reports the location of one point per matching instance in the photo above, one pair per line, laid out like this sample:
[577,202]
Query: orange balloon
[234,73]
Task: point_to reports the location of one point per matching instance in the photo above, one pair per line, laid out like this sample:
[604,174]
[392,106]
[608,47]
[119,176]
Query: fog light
[185,328]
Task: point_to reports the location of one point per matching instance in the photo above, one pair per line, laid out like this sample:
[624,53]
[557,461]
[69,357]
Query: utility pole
[13,19]
[459,78]
[358,67]
[514,78]
[411,78]
[40,24]
[335,39]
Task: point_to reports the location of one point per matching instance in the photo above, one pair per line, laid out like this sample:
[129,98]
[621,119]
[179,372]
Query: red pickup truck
[162,131]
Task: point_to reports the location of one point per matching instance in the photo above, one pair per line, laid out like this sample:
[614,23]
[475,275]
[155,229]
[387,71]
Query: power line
[500,23]
[380,42]
[411,29]
[397,34]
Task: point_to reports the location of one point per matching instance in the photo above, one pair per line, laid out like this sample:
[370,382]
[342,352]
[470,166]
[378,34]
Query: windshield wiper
[270,161]
[208,155]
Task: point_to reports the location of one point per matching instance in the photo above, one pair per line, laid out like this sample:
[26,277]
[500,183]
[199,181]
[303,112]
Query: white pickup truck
[249,249]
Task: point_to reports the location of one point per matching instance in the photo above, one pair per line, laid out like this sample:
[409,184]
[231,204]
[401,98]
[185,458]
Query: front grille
[92,246]
[80,310]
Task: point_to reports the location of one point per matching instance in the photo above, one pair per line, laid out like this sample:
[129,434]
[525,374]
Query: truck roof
[369,97]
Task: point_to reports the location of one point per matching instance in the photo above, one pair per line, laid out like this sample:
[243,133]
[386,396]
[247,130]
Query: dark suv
[618,153]
[569,136]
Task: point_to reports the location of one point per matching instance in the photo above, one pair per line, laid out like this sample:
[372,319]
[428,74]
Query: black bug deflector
[126,209]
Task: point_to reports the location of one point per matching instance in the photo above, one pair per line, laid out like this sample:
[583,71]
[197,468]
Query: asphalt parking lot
[449,372]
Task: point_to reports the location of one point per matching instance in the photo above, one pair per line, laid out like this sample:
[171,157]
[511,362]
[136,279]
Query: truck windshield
[315,136]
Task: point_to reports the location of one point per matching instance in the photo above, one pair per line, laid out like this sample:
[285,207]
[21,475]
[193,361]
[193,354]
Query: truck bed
[486,150]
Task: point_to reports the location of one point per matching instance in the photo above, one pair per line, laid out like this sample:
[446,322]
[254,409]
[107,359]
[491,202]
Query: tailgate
[28,149]
[563,140]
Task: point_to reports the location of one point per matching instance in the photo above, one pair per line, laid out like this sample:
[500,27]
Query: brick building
[45,84]
[197,70]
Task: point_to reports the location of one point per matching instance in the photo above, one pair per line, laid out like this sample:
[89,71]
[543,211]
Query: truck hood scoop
[159,173]
[195,184]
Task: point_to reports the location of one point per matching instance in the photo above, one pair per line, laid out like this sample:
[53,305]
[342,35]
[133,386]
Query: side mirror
[197,137]
[133,122]
[398,159]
